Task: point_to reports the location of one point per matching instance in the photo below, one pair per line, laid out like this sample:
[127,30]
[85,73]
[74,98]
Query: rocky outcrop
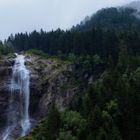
[5,75]
[52,81]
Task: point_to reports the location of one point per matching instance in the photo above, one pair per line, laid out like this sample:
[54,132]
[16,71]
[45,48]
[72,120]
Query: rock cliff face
[51,82]
[5,75]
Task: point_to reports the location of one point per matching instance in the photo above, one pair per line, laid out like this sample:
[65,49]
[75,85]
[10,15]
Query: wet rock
[51,82]
[5,76]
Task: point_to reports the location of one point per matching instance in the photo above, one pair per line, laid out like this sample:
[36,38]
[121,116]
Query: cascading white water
[19,116]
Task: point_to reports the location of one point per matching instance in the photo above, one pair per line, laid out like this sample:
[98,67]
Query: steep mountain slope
[121,18]
[134,5]
[5,75]
[105,53]
[52,81]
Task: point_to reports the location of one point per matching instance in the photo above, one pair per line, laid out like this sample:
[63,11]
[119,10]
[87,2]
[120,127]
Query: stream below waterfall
[18,120]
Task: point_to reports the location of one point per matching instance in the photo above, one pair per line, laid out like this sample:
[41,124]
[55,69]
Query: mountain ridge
[124,17]
[134,4]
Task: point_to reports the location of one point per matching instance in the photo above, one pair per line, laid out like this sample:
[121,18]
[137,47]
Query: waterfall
[18,117]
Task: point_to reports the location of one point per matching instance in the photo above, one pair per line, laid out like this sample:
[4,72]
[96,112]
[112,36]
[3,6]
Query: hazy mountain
[120,18]
[135,5]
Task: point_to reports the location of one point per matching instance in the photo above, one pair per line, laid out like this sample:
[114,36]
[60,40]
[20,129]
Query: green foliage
[109,108]
[37,52]
[97,59]
[5,48]
[102,135]
[112,106]
[74,122]
[28,138]
[72,57]
[66,136]
[53,124]
[112,19]
[48,129]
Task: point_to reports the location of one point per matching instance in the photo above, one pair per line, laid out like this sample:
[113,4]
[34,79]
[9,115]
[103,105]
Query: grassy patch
[58,60]
[37,52]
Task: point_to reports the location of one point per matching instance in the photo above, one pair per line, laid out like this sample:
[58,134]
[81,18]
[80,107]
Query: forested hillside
[103,34]
[106,50]
[5,48]
[112,18]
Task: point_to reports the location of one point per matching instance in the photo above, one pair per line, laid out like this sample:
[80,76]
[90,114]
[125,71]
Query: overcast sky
[27,15]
